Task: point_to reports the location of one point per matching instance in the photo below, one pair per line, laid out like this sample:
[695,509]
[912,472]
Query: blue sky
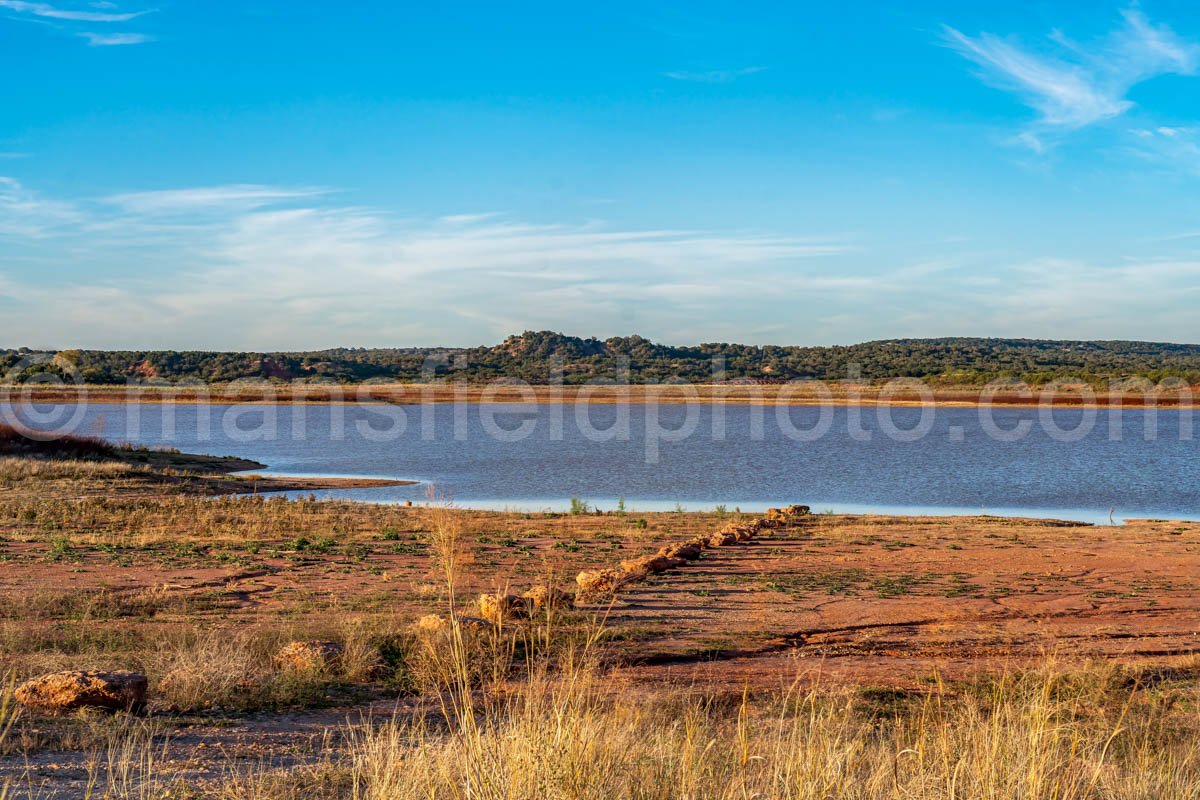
[255,175]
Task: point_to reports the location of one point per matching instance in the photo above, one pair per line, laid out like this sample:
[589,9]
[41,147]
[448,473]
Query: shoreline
[272,484]
[235,475]
[1059,517]
[793,394]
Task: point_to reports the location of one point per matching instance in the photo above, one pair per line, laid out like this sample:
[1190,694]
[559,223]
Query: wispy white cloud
[25,214]
[1178,237]
[70,20]
[113,39]
[1064,94]
[48,11]
[467,219]
[1171,148]
[1125,299]
[1073,85]
[256,266]
[713,76]
[229,197]
[206,257]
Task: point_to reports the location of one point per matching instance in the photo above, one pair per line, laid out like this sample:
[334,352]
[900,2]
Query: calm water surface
[1072,463]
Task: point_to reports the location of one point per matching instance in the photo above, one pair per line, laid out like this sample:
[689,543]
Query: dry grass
[228,669]
[16,442]
[1042,735]
[7,717]
[110,504]
[14,470]
[563,732]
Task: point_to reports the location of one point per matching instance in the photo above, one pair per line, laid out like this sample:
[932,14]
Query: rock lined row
[495,609]
[605,583]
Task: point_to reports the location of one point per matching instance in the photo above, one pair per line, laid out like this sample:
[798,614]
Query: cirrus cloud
[48,11]
[1072,85]
[114,39]
[250,265]
[66,19]
[713,75]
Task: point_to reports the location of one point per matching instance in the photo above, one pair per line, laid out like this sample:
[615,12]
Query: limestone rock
[548,597]
[66,691]
[744,533]
[722,539]
[780,516]
[313,655]
[496,608]
[597,584]
[689,551]
[431,623]
[647,565]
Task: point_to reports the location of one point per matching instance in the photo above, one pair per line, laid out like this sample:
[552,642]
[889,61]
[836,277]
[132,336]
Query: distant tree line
[544,357]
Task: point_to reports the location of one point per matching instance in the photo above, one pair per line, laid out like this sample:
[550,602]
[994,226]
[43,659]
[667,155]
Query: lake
[1071,463]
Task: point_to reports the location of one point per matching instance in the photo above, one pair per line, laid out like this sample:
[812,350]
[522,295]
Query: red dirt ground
[867,599]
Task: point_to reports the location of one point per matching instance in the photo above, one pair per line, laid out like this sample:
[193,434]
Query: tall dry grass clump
[454,661]
[1087,734]
[133,764]
[215,668]
[7,717]
[237,669]
[461,658]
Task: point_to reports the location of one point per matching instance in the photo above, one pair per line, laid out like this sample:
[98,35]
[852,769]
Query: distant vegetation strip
[546,357]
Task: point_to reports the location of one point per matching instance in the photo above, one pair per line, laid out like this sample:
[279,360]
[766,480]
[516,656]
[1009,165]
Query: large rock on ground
[745,533]
[496,608]
[548,597]
[67,691]
[602,583]
[789,514]
[431,623]
[646,565]
[312,656]
[689,551]
[722,539]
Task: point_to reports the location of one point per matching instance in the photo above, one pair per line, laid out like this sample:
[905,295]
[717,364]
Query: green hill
[543,356]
